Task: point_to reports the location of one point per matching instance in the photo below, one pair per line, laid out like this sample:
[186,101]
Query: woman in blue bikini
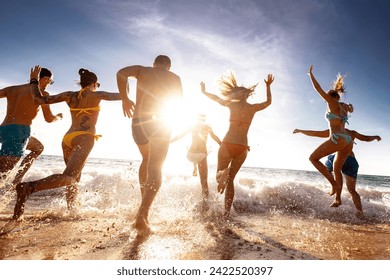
[339,142]
[234,147]
[77,142]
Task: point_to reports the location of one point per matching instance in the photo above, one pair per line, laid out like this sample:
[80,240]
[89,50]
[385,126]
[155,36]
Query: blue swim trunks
[13,139]
[349,168]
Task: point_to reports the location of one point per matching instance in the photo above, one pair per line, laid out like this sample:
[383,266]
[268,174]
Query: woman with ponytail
[78,140]
[339,142]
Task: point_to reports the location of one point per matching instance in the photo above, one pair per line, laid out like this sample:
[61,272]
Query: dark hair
[162,60]
[87,77]
[45,73]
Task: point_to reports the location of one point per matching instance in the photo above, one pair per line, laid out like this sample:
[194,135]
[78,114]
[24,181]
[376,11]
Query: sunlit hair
[231,90]
[338,87]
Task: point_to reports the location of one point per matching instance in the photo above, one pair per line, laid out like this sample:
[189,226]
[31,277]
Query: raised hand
[203,87]
[269,80]
[34,72]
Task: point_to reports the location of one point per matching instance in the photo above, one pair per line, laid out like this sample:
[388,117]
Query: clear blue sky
[204,38]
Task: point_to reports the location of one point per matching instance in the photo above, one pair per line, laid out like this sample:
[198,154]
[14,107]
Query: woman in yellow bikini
[78,140]
[339,142]
[234,147]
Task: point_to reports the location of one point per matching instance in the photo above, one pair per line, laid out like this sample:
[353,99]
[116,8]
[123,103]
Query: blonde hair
[338,84]
[231,90]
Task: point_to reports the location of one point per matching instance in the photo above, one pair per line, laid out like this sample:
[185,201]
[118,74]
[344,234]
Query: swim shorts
[13,139]
[349,168]
[144,128]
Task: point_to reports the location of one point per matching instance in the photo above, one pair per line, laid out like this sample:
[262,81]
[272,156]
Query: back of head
[87,77]
[45,73]
[162,60]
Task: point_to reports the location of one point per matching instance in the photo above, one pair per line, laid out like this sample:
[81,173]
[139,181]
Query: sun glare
[178,115]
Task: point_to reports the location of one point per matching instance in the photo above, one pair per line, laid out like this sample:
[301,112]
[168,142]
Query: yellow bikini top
[84,110]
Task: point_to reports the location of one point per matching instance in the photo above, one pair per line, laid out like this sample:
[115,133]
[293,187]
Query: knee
[39,149]
[312,158]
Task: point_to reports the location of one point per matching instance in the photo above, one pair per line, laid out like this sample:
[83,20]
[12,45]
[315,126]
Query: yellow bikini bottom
[69,137]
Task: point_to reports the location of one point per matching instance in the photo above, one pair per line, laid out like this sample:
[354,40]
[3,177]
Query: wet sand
[50,236]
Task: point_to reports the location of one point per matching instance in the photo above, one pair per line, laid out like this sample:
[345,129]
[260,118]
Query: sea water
[111,184]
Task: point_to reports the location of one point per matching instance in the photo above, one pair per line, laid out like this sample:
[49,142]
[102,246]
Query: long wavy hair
[231,90]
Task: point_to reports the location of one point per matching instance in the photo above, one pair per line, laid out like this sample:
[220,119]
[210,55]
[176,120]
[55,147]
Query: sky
[204,39]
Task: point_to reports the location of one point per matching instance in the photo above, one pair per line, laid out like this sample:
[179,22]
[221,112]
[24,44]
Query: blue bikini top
[332,116]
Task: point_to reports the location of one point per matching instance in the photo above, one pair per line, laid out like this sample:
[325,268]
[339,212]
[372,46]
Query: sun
[178,115]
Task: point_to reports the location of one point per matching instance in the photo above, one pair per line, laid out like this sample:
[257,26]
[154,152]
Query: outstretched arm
[213,96]
[366,138]
[109,96]
[268,82]
[215,137]
[47,113]
[123,87]
[313,133]
[181,135]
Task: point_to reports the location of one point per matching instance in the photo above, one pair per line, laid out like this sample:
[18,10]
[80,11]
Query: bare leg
[142,173]
[222,176]
[351,185]
[339,160]
[158,149]
[75,163]
[203,173]
[229,194]
[36,148]
[7,164]
[326,148]
[195,171]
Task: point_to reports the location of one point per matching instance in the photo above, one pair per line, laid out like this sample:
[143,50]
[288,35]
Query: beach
[272,219]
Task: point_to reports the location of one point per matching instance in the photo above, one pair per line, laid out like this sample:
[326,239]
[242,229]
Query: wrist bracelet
[34,81]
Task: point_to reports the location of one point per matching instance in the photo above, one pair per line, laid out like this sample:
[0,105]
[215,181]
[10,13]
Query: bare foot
[142,228]
[23,191]
[332,192]
[336,203]
[359,214]
[222,179]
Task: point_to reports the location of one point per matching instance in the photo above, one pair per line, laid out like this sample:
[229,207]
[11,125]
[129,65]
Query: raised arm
[318,88]
[41,98]
[313,133]
[268,82]
[123,86]
[213,96]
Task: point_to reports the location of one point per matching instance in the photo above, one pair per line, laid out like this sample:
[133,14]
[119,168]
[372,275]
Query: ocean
[274,209]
